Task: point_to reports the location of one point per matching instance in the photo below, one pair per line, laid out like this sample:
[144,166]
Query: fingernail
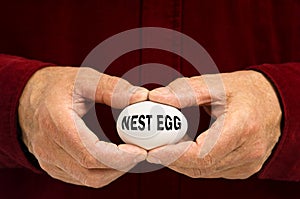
[137,89]
[141,89]
[153,160]
[161,91]
[139,158]
[139,94]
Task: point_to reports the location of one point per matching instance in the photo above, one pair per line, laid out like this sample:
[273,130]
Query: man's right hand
[50,111]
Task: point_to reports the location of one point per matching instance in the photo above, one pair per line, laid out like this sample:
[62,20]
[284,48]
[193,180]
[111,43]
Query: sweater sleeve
[284,163]
[14,74]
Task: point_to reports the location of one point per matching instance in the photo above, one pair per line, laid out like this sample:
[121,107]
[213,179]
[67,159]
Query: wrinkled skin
[236,146]
[50,112]
[246,129]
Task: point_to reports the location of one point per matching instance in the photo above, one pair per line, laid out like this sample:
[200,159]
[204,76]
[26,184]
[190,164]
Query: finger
[63,166]
[226,135]
[240,172]
[122,157]
[178,93]
[91,177]
[241,158]
[210,147]
[187,154]
[96,177]
[76,174]
[60,157]
[182,155]
[123,93]
[193,172]
[184,92]
[84,146]
[57,173]
[254,154]
[168,154]
[106,89]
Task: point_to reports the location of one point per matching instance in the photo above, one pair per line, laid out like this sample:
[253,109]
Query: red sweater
[236,34]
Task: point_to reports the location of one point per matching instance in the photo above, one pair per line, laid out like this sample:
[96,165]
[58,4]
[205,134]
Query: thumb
[183,92]
[110,90]
[118,93]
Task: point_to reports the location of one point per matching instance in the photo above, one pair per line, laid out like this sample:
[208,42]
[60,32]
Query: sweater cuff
[284,163]
[14,74]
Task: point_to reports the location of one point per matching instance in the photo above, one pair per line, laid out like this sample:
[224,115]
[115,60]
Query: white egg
[150,125]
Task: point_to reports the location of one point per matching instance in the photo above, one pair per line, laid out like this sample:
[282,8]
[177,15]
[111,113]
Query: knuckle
[253,126]
[101,183]
[179,82]
[258,153]
[86,179]
[53,171]
[246,174]
[243,176]
[45,167]
[196,173]
[243,172]
[87,70]
[254,169]
[88,161]
[208,160]
[94,181]
[90,183]
[238,175]
[114,81]
[249,172]
[40,153]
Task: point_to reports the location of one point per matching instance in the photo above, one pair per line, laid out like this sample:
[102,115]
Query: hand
[246,129]
[50,111]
